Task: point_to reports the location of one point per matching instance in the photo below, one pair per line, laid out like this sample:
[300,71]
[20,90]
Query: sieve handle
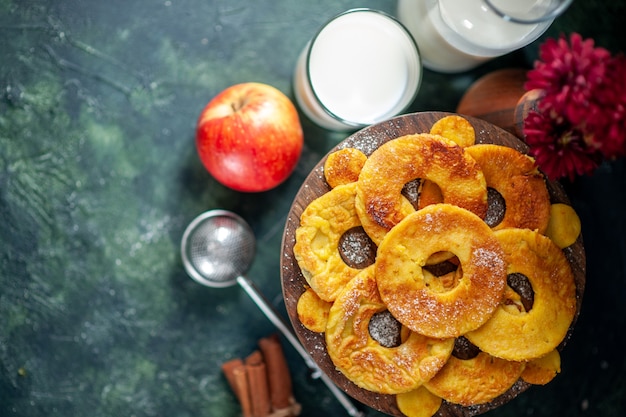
[269,312]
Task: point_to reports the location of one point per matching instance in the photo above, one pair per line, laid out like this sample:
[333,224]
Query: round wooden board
[294,284]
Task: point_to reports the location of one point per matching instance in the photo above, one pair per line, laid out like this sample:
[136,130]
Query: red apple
[249,137]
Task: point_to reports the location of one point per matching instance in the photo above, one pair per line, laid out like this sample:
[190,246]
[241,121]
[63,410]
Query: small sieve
[217,249]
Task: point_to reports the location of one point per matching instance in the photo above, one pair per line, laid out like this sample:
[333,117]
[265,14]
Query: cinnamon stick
[235,372]
[228,368]
[245,396]
[280,384]
[258,383]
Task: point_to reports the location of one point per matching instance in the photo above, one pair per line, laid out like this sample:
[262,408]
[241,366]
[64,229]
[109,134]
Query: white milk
[362,67]
[437,53]
[457,35]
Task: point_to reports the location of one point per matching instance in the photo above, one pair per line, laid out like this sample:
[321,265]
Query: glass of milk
[458,35]
[360,68]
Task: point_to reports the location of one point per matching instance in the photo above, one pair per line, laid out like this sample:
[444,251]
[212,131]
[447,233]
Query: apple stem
[238,105]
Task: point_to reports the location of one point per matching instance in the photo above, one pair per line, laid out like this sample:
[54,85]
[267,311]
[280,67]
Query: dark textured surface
[99,177]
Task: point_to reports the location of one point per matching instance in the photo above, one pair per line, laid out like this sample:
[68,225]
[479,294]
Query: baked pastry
[564,226]
[316,250]
[375,231]
[476,380]
[525,335]
[455,128]
[343,166]
[402,256]
[461,132]
[364,361]
[542,370]
[430,193]
[312,311]
[424,156]
[418,403]
[518,180]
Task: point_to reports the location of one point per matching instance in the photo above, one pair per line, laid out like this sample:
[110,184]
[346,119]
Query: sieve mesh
[217,248]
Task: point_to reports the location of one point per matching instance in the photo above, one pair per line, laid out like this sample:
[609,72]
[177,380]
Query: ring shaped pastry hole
[411,192]
[464,349]
[357,249]
[420,193]
[442,268]
[440,275]
[523,298]
[385,329]
[496,207]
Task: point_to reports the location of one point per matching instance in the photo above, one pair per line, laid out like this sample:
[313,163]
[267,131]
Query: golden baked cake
[402,256]
[418,403]
[322,225]
[375,231]
[527,335]
[313,311]
[343,166]
[425,156]
[564,225]
[363,360]
[474,381]
[542,370]
[516,177]
[455,128]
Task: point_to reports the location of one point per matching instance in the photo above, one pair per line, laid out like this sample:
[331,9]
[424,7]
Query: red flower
[569,73]
[558,147]
[610,125]
[581,115]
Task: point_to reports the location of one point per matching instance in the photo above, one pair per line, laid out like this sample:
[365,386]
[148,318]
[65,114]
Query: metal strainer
[217,249]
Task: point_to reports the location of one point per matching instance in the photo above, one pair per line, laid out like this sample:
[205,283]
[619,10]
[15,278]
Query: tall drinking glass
[458,35]
[362,67]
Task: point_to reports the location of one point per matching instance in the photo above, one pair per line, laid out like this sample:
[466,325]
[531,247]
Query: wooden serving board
[294,284]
